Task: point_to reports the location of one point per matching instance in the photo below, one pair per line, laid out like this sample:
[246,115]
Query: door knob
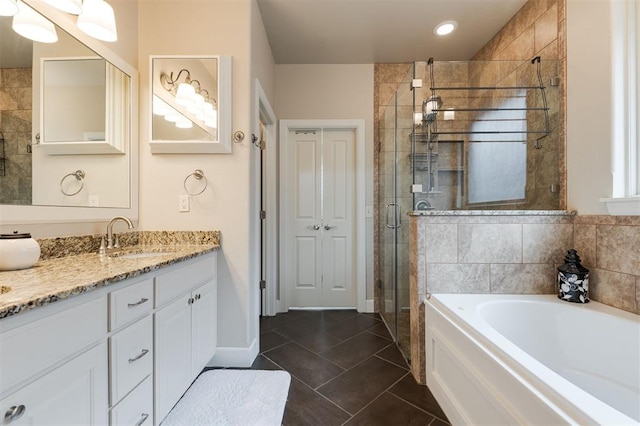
[327,227]
[314,227]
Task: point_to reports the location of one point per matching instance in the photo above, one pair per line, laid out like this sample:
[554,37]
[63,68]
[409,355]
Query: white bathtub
[532,359]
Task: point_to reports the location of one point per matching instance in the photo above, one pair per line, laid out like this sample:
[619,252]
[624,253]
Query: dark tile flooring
[345,370]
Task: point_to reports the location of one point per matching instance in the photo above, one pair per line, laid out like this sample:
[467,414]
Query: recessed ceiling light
[444,28]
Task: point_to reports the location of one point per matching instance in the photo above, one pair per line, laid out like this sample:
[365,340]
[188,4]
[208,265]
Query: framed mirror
[42,183]
[191,104]
[68,85]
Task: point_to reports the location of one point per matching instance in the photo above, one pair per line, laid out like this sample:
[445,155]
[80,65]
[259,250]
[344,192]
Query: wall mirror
[68,126]
[191,104]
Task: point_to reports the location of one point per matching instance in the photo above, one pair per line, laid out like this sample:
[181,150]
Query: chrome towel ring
[79,175]
[198,175]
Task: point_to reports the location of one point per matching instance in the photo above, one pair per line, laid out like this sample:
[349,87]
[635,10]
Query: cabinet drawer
[131,352]
[129,303]
[184,279]
[137,408]
[38,345]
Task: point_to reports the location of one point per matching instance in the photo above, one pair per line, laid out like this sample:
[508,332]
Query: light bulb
[184,94]
[30,24]
[98,20]
[8,7]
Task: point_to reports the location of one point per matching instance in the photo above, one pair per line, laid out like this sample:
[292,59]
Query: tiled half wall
[518,253]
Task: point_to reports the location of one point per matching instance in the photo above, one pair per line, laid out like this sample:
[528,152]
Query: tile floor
[345,370]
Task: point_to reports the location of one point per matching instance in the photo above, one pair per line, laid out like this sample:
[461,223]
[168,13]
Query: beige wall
[200,28]
[333,92]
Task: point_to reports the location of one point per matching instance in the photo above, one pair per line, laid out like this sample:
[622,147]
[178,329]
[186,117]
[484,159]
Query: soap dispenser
[573,279]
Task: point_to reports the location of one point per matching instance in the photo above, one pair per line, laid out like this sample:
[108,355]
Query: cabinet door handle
[143,419]
[14,413]
[328,227]
[198,296]
[140,302]
[137,357]
[190,300]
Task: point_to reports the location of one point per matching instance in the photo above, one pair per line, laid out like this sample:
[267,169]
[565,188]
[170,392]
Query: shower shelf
[539,87]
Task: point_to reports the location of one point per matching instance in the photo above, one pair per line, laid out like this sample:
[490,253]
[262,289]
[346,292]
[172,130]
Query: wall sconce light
[73,7]
[8,7]
[194,99]
[30,24]
[98,20]
[430,108]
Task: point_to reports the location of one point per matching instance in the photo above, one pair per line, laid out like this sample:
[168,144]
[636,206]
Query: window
[625,108]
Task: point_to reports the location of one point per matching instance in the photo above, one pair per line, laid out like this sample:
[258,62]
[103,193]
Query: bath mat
[233,397]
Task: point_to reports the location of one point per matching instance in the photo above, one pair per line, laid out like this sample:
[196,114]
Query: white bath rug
[233,397]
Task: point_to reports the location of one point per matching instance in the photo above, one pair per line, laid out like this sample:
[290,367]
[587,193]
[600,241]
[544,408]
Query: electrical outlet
[94,200]
[183,203]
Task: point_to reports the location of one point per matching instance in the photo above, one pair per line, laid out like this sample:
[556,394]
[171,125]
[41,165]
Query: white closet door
[322,203]
[338,214]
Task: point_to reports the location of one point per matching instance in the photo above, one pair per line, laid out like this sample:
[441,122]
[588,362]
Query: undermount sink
[139,255]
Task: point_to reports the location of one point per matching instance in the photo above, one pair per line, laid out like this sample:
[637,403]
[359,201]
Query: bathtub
[532,359]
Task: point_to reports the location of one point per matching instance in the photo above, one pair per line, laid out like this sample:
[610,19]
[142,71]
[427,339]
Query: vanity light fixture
[30,24]
[444,28]
[98,20]
[195,100]
[8,7]
[73,7]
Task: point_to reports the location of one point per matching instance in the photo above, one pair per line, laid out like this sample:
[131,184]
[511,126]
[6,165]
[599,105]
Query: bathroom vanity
[95,340]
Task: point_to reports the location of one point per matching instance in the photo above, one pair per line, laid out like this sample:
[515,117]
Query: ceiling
[379,31]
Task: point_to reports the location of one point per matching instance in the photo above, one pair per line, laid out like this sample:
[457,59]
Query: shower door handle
[396,220]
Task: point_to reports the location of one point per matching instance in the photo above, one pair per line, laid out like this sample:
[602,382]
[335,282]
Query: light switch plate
[183,203]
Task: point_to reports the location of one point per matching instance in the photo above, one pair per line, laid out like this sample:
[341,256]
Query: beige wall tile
[457,278]
[490,243]
[546,243]
[522,48]
[585,243]
[441,243]
[613,289]
[617,248]
[546,28]
[523,279]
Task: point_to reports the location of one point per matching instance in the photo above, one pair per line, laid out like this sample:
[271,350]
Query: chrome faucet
[110,243]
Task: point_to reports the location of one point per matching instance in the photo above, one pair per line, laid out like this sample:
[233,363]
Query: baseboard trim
[237,357]
[370,306]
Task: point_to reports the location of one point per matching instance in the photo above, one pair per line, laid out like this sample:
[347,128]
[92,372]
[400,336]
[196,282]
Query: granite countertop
[55,278]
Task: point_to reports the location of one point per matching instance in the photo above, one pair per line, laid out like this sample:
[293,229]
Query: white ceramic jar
[18,251]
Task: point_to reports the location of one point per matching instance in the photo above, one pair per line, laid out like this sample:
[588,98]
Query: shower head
[430,107]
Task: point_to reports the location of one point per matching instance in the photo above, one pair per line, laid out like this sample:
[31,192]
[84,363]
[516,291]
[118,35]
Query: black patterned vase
[573,279]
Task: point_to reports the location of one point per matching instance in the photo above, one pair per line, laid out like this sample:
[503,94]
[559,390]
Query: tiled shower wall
[15,125]
[486,252]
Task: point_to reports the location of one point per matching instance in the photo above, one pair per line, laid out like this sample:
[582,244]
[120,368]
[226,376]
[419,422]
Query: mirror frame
[115,116]
[12,214]
[223,144]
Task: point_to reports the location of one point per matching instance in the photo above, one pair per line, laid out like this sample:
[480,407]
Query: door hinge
[263,214]
[263,284]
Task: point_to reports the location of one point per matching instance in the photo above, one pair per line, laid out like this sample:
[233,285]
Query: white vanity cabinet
[53,365]
[185,330]
[112,355]
[131,353]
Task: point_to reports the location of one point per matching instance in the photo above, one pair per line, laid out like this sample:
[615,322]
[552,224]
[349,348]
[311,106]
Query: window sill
[623,206]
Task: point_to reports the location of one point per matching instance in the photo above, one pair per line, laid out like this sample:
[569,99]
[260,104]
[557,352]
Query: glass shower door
[395,176]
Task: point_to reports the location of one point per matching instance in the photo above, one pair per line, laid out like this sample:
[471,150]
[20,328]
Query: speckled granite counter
[81,269]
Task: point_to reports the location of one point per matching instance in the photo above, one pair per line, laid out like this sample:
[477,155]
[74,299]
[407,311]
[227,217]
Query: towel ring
[199,175]
[79,175]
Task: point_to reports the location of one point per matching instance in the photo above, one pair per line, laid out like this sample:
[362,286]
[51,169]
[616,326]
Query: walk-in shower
[475,135]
